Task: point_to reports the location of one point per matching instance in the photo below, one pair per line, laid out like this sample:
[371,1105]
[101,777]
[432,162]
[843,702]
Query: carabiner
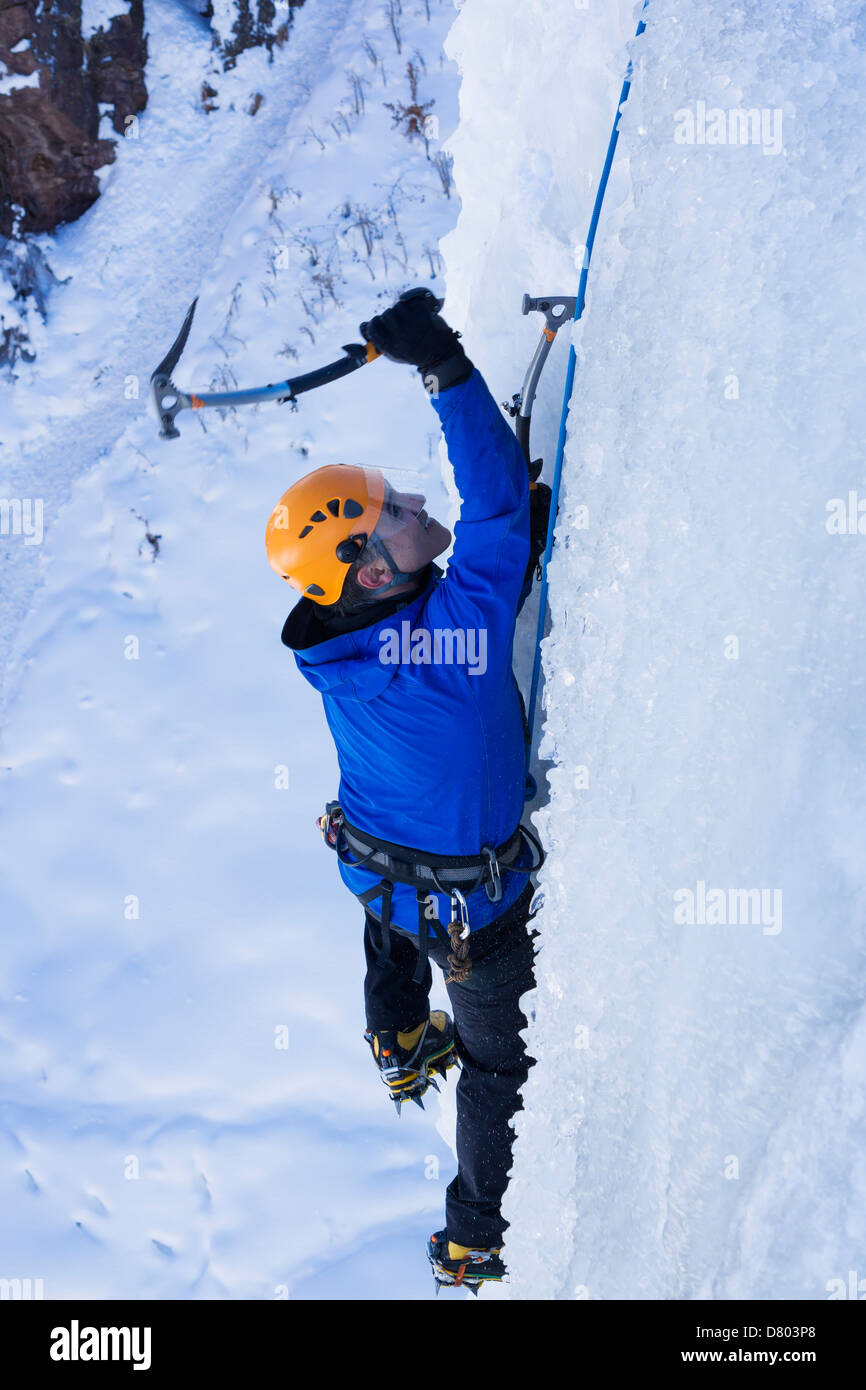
[458,900]
[330,824]
[495,876]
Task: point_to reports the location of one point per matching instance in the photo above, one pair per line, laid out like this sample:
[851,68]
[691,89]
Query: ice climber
[414,669]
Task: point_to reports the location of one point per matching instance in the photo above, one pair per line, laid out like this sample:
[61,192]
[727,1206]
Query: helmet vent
[334,506]
[351,508]
[318,516]
[314,589]
[306,531]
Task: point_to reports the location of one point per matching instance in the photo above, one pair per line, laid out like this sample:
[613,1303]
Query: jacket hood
[346,663]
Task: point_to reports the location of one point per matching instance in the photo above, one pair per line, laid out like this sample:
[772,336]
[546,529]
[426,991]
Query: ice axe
[170,400]
[557,310]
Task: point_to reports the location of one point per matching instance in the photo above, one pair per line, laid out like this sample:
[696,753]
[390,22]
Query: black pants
[487,1020]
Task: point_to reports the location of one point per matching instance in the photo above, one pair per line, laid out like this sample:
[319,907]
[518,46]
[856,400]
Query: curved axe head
[169,401]
[165,394]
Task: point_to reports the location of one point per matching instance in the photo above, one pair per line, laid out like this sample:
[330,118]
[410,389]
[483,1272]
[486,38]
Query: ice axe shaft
[169,400]
[557,310]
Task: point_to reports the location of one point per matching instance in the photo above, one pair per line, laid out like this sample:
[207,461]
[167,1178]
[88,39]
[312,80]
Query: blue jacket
[431,752]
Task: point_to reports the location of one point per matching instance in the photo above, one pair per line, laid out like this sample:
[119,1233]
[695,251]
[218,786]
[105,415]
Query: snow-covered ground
[189,1110]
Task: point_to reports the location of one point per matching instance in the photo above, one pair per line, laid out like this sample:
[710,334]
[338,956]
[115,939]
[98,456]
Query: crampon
[461,1266]
[409,1062]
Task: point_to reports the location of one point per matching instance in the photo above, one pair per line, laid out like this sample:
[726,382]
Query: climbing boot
[462,1266]
[409,1062]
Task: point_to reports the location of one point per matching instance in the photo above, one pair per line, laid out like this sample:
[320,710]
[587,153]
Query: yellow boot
[463,1265]
[408,1060]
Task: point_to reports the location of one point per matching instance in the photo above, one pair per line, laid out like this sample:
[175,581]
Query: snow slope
[152,240]
[695,1128]
[189,1109]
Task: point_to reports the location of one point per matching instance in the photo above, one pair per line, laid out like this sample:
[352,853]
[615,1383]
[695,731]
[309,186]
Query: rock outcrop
[52,81]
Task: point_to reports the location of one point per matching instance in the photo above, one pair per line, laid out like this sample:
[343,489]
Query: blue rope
[566,399]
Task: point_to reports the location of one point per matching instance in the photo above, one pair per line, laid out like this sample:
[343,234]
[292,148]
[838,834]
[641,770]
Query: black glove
[412,331]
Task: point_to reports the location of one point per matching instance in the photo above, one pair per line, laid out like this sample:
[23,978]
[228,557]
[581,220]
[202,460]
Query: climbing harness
[455,876]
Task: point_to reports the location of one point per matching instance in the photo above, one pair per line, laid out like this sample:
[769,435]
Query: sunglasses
[394,517]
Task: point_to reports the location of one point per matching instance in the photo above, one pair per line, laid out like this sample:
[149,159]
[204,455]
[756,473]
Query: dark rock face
[49,133]
[116,62]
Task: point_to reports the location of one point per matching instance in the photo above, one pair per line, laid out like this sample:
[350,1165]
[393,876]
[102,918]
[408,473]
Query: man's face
[413,538]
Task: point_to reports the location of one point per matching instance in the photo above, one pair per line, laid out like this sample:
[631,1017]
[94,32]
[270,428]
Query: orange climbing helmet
[314,531]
